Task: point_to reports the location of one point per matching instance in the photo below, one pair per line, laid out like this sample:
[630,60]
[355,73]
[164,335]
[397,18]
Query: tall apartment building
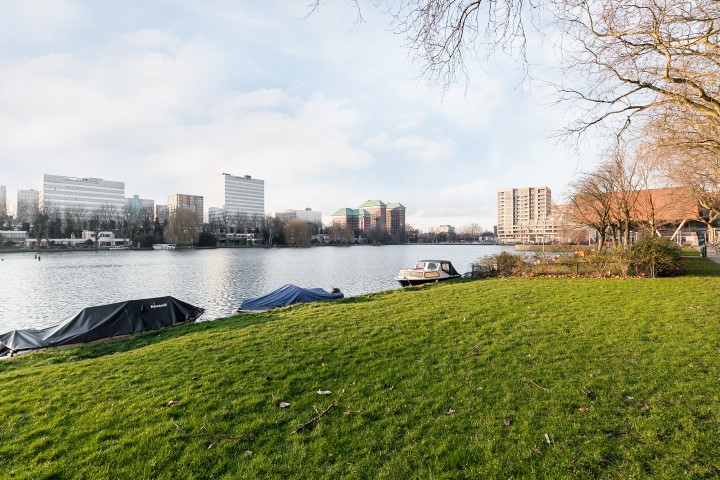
[309,215]
[230,194]
[87,194]
[27,202]
[524,215]
[193,203]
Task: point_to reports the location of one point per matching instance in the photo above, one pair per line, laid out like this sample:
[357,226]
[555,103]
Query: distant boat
[164,246]
[119,247]
[427,271]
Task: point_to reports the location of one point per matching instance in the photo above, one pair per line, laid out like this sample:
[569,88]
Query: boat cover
[287,295]
[103,321]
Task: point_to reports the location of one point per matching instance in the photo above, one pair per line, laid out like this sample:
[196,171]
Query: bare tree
[272,230]
[621,170]
[297,232]
[640,57]
[182,227]
[101,219]
[39,222]
[75,216]
[341,234]
[441,34]
[471,232]
[590,203]
[689,154]
[23,211]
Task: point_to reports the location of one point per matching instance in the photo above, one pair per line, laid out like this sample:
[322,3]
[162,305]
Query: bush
[662,254]
[206,239]
[503,264]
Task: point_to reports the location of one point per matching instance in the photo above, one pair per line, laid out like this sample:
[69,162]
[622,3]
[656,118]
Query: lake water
[36,294]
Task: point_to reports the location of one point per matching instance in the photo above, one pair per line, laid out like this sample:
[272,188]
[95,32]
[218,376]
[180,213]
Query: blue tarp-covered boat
[287,295]
[103,321]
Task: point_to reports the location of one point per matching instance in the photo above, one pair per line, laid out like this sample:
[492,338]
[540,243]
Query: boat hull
[411,282]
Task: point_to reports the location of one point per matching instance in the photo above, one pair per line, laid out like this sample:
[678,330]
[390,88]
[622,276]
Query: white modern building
[309,215]
[525,215]
[231,195]
[85,194]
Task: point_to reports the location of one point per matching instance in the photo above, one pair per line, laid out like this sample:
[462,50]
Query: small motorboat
[426,271]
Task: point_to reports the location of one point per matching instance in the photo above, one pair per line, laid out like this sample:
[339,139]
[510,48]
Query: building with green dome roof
[374,217]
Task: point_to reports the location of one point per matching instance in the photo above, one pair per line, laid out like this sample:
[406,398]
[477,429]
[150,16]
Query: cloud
[145,79]
[38,21]
[415,147]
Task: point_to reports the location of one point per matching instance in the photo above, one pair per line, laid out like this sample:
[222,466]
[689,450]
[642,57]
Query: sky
[164,95]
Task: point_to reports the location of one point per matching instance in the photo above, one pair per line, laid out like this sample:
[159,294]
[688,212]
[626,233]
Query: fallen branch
[244,436]
[314,419]
[535,384]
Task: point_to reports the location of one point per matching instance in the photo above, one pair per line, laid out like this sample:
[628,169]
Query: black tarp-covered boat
[287,295]
[103,321]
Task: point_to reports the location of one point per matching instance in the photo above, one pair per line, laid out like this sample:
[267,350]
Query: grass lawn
[500,378]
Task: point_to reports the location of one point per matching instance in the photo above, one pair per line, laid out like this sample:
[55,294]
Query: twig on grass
[535,384]
[314,419]
[216,435]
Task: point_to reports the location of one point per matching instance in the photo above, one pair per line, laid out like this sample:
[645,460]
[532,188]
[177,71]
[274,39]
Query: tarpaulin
[287,295]
[103,321]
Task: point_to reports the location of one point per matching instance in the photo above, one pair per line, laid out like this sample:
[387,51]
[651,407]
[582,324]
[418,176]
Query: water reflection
[40,293]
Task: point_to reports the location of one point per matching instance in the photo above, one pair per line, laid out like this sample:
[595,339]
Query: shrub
[662,254]
[503,264]
[206,239]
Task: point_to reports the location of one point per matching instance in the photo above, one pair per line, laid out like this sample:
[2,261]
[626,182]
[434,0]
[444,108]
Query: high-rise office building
[524,215]
[85,194]
[230,194]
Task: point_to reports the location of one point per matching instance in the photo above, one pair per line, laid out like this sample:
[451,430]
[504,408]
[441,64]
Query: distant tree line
[182,228]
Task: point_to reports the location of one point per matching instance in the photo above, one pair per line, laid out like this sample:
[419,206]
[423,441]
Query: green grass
[456,380]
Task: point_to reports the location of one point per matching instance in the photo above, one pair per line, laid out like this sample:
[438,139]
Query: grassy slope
[433,382]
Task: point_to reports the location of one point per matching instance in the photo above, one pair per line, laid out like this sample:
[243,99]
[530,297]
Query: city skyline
[327,112]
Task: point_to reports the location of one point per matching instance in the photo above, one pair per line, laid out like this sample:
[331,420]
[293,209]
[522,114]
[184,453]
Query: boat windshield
[426,266]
